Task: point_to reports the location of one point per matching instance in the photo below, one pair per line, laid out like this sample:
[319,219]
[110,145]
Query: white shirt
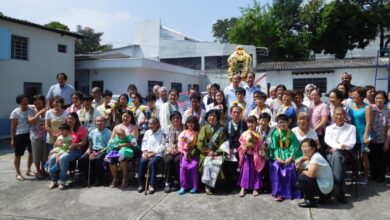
[335,136]
[201,120]
[324,173]
[153,142]
[310,134]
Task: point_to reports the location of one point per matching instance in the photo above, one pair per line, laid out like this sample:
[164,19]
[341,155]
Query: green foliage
[221,27]
[90,42]
[291,29]
[57,25]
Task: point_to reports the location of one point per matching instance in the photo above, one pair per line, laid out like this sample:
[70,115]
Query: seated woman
[284,149]
[251,159]
[209,143]
[172,155]
[75,150]
[317,178]
[119,150]
[189,159]
[152,152]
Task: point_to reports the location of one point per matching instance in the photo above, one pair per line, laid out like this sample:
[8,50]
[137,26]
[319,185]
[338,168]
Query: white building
[152,41]
[31,56]
[325,73]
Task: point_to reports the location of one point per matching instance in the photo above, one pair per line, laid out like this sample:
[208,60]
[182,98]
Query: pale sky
[116,17]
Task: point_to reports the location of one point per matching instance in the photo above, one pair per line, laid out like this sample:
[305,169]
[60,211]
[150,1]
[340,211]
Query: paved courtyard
[30,199]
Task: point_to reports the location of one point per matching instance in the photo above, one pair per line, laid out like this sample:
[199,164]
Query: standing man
[209,94]
[97,97]
[250,89]
[347,78]
[163,96]
[61,89]
[230,91]
[155,90]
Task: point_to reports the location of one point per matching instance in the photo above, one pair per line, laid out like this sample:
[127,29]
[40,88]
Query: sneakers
[363,181]
[151,190]
[182,191]
[193,190]
[167,188]
[140,189]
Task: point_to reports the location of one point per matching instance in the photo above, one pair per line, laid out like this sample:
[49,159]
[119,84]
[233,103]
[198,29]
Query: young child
[251,161]
[119,148]
[188,160]
[62,143]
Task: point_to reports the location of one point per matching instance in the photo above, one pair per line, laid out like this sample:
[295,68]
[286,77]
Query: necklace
[287,139]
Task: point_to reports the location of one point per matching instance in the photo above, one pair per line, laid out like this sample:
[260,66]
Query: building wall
[43,64]
[360,76]
[117,80]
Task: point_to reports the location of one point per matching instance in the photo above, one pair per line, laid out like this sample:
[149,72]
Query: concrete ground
[30,199]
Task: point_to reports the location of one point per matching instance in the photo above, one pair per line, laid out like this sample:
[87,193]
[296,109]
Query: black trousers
[97,170]
[377,161]
[266,184]
[309,187]
[337,162]
[231,175]
[172,167]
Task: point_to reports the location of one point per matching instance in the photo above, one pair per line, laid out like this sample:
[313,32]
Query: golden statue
[239,63]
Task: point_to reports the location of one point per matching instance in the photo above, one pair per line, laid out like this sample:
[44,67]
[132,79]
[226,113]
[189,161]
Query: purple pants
[284,180]
[249,178]
[189,173]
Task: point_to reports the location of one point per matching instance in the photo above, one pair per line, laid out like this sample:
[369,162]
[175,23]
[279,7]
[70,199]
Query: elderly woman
[36,118]
[77,104]
[152,152]
[53,119]
[317,178]
[283,151]
[20,135]
[381,133]
[75,150]
[288,109]
[303,130]
[172,154]
[209,143]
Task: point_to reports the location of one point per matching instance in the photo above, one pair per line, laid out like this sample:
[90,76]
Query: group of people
[289,143]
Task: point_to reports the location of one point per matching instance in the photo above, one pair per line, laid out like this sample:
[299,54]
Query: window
[176,86]
[152,83]
[99,84]
[61,48]
[19,47]
[195,86]
[31,89]
[299,84]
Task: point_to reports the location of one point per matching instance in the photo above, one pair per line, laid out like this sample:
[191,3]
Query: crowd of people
[288,143]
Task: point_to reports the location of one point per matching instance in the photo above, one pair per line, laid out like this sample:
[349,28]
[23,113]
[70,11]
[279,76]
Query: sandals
[29,173]
[279,199]
[52,185]
[208,190]
[242,193]
[19,177]
[124,184]
[114,183]
[61,187]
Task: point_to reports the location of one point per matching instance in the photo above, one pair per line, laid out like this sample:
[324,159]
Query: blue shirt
[249,95]
[99,138]
[230,95]
[65,92]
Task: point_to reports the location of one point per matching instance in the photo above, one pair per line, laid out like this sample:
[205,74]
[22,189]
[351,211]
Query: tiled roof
[27,23]
[322,64]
